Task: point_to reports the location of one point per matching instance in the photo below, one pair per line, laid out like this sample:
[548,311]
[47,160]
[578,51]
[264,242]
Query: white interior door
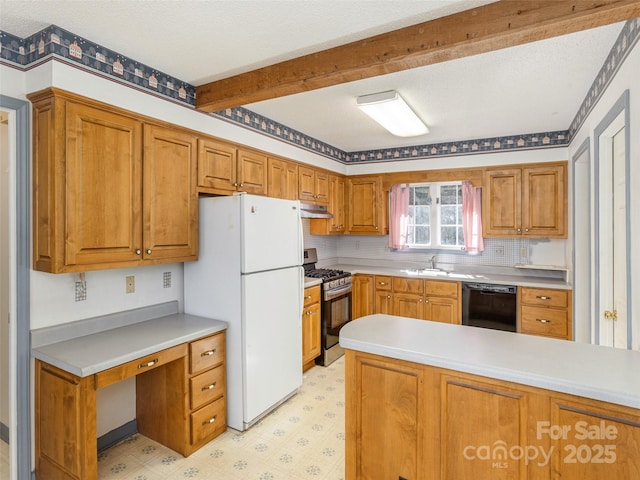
[612,235]
[582,275]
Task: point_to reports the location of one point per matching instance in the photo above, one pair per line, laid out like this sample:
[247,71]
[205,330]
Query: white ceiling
[527,89]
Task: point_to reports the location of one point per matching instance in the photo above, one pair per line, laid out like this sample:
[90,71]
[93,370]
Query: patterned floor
[4,460]
[302,439]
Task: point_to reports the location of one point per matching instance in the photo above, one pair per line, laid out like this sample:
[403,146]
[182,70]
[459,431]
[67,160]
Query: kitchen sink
[425,272]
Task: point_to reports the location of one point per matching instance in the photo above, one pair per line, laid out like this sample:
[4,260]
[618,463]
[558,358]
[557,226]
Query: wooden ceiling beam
[491,27]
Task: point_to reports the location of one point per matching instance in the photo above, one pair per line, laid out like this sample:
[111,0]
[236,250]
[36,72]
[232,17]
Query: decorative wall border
[55,43]
[625,42]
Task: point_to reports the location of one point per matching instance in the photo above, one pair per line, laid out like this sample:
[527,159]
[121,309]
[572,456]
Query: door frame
[22,395]
[583,149]
[621,106]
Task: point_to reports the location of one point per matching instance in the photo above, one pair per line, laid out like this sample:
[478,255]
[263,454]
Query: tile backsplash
[498,252]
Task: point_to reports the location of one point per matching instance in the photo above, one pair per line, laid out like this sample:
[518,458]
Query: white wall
[627,78]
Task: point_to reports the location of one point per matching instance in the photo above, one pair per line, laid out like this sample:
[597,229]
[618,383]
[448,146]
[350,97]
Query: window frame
[435,223]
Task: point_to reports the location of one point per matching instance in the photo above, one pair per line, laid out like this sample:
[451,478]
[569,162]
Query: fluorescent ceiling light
[392,112]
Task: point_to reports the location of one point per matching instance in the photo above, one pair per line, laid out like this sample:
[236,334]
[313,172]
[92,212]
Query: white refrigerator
[249,274]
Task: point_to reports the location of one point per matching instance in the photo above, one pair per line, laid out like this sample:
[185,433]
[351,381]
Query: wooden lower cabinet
[413,421]
[180,403]
[311,327]
[362,300]
[546,312]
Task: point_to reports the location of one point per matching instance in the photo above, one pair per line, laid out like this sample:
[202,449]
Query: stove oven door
[336,312]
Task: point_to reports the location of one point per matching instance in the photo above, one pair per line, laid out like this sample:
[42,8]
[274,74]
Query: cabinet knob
[235,184]
[242,184]
[526,229]
[308,297]
[519,230]
[388,296]
[211,420]
[148,251]
[376,227]
[138,251]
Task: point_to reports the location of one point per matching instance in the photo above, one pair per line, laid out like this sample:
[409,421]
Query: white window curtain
[472,218]
[398,216]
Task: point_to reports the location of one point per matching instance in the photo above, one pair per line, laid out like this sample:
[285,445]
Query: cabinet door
[170,200]
[383,302]
[501,212]
[441,309]
[336,203]
[599,443]
[476,416]
[217,167]
[306,184]
[310,333]
[282,179]
[364,206]
[544,197]
[252,172]
[103,181]
[408,305]
[387,442]
[362,296]
[321,187]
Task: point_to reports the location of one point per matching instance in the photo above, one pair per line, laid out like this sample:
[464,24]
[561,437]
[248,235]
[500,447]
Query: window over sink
[435,216]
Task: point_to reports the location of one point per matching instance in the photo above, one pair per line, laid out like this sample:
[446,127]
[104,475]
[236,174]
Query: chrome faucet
[432,262]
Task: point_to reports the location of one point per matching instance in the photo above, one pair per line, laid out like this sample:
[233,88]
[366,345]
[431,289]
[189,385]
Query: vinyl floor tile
[302,439]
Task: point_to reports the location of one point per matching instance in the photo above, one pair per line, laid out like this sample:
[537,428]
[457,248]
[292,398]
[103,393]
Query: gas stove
[331,278]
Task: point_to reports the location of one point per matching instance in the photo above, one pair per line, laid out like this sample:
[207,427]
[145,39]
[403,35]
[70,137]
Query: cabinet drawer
[382,282]
[441,288]
[207,352]
[408,285]
[208,420]
[544,297]
[544,321]
[207,386]
[311,295]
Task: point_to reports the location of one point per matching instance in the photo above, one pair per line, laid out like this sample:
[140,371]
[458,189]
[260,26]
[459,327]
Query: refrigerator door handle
[301,292]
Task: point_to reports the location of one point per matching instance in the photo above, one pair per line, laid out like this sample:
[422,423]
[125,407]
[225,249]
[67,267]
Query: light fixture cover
[392,112]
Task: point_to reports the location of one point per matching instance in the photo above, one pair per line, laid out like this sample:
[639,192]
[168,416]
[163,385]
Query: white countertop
[460,276]
[89,354]
[590,371]
[310,282]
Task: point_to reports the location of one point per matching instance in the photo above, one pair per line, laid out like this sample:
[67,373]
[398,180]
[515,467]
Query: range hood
[309,210]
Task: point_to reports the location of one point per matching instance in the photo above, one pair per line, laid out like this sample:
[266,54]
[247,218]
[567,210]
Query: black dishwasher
[489,306]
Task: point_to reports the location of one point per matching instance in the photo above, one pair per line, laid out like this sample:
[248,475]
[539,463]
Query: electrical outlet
[357,245]
[130,283]
[499,250]
[523,252]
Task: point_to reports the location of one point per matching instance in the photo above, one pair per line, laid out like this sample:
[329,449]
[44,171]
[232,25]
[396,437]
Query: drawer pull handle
[148,364]
[208,353]
[543,297]
[209,387]
[210,421]
[542,320]
[382,283]
[308,297]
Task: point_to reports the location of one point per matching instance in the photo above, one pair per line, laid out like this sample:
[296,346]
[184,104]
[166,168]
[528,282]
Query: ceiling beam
[487,28]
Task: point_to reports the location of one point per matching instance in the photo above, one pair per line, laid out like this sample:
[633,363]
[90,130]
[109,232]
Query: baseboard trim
[117,435]
[4,433]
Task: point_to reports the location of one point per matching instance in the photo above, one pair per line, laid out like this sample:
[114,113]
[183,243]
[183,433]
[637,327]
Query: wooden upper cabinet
[313,185]
[282,179]
[103,188]
[89,175]
[224,169]
[170,201]
[366,210]
[528,201]
[252,172]
[336,224]
[217,166]
[544,201]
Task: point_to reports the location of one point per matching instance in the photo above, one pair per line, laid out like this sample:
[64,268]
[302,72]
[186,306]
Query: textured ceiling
[526,89]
